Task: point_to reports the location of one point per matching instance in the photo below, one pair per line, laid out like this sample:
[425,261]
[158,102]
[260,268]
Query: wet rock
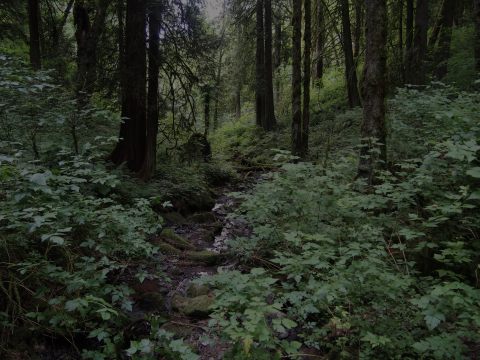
[194,290]
[174,218]
[179,242]
[151,301]
[203,218]
[205,257]
[198,307]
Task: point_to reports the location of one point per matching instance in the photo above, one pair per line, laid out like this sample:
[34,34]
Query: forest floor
[193,246]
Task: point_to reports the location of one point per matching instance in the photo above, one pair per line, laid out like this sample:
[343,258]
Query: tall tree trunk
[260,67]
[357,34]
[416,69]
[442,53]
[400,39]
[270,121]
[238,101]
[121,45]
[150,161]
[350,68]
[307,48]
[206,109]
[297,125]
[476,4]
[87,35]
[277,56]
[408,37]
[132,143]
[34,27]
[218,80]
[374,88]
[320,43]
[432,42]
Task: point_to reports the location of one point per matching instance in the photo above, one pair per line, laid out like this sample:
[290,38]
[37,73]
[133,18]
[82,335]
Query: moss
[167,249]
[171,238]
[195,307]
[195,290]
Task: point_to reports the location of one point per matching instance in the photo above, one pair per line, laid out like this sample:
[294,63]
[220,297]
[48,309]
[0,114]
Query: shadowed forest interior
[239,179]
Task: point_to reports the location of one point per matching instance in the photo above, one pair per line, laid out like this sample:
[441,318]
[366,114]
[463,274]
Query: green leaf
[474,172]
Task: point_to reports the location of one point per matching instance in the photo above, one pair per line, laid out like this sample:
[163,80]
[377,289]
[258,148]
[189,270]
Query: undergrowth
[347,271]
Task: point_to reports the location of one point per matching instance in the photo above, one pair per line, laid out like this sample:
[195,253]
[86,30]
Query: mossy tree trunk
[269,120]
[260,66]
[442,52]
[350,68]
[297,125]
[373,131]
[307,48]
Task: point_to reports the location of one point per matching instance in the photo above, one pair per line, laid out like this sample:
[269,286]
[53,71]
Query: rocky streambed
[192,247]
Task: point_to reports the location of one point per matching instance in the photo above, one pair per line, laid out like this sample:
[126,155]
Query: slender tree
[416,63]
[350,68]
[260,67]
[34,40]
[442,53]
[374,88]
[207,96]
[150,161]
[410,13]
[87,34]
[131,146]
[320,43]
[477,33]
[307,48]
[277,55]
[357,34]
[297,124]
[269,121]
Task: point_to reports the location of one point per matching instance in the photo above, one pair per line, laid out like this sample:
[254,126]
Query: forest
[239,179]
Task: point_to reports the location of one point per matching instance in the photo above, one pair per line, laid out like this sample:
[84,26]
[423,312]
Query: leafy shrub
[386,273]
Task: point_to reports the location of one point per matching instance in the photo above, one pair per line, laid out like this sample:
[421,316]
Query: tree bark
[307,48]
[277,56]
[34,28]
[132,143]
[238,101]
[416,69]
[350,68]
[357,35]
[374,88]
[270,121]
[442,53]
[260,67]
[150,161]
[218,80]
[87,35]
[297,125]
[206,109]
[320,43]
[408,37]
[477,34]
